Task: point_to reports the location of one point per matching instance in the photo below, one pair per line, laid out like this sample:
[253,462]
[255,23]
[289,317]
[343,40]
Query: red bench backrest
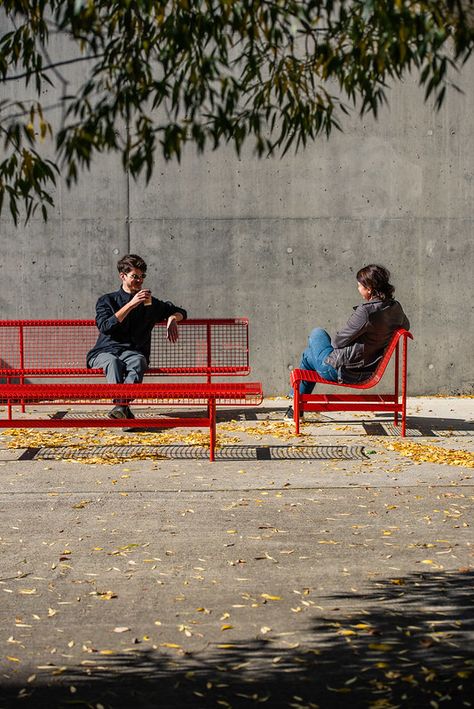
[215,346]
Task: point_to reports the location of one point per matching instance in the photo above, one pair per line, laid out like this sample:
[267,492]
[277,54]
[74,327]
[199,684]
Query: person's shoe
[130,415]
[119,412]
[290,415]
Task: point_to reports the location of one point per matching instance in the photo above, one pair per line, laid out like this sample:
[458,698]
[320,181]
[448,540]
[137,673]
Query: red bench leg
[9,403]
[212,429]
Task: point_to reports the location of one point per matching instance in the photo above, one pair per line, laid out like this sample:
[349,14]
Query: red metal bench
[45,349]
[358,402]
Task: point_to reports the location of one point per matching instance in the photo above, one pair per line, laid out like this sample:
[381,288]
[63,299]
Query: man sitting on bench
[125,320]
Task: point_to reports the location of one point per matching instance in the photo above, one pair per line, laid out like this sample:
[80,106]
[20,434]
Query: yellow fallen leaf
[343,631]
[340,690]
[169,645]
[421,453]
[427,561]
[267,597]
[13,659]
[226,627]
[383,647]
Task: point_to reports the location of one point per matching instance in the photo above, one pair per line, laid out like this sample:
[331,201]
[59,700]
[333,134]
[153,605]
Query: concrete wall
[279,240]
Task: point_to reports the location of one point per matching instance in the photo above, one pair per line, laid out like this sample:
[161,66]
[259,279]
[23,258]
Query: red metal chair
[358,402]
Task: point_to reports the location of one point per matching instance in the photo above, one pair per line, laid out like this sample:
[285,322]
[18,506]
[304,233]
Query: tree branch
[27,74]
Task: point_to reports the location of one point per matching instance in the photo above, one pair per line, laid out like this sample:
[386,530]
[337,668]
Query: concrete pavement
[311,572]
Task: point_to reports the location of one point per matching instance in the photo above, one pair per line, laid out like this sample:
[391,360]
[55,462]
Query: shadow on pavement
[421,426]
[405,642]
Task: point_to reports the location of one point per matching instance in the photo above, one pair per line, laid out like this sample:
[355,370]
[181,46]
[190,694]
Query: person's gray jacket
[361,343]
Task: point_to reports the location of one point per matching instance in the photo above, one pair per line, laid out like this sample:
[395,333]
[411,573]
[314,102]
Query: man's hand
[172,328]
[140,297]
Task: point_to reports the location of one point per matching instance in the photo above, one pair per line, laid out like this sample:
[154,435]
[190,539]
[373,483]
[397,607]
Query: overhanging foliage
[158,74]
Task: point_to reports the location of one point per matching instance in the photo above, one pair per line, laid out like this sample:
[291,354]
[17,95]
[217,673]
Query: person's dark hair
[129,262]
[377,280]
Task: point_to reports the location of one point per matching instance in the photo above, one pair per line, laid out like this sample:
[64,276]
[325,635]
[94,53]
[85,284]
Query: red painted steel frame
[57,349]
[357,402]
[212,347]
[188,394]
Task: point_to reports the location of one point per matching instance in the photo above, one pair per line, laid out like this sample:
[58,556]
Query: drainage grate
[182,452]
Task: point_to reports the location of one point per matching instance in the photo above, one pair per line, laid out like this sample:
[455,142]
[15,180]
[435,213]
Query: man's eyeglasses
[136,277]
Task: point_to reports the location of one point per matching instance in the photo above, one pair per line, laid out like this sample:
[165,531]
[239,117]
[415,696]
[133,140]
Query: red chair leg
[397,354]
[404,387]
[296,407]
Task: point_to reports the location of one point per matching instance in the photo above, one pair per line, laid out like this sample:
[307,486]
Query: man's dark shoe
[119,412]
[290,415]
[130,415]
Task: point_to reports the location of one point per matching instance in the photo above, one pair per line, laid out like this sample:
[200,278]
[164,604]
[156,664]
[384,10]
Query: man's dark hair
[376,279]
[129,262]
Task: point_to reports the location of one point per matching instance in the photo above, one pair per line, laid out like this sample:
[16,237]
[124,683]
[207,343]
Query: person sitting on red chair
[353,354]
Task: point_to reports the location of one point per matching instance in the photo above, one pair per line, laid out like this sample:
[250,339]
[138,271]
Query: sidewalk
[319,571]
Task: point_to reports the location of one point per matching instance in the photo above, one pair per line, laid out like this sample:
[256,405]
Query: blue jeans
[319,347]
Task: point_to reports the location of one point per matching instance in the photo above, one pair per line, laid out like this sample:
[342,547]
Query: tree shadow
[403,642]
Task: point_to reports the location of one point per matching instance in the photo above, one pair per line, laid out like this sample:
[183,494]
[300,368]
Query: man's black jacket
[134,332]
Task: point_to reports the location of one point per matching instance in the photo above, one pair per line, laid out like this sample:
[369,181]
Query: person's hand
[140,297]
[172,329]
